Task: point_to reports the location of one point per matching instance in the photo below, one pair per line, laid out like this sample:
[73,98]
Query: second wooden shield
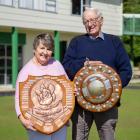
[98,87]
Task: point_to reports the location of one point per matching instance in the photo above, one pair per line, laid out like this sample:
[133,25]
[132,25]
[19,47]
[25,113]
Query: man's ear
[101,21]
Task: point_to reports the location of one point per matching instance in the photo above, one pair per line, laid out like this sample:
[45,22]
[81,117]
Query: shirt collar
[101,35]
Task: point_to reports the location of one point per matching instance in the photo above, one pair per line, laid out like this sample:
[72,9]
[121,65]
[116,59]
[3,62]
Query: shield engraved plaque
[98,87]
[48,101]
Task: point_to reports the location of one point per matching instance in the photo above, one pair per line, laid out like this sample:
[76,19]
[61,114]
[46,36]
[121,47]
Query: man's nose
[90,24]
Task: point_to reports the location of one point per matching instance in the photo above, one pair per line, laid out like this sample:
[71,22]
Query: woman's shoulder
[57,64]
[54,61]
[23,73]
[27,66]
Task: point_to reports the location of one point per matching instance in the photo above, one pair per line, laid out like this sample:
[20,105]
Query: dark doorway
[63,47]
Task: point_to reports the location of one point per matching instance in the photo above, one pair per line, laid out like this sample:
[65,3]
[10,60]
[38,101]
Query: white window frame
[50,5]
[27,4]
[41,5]
[6,2]
[83,4]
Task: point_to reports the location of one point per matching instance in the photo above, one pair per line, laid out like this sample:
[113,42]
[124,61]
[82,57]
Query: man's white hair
[97,11]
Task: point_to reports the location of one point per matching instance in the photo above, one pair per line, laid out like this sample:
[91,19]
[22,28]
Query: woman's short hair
[45,39]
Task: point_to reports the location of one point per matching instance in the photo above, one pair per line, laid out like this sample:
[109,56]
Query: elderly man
[98,47]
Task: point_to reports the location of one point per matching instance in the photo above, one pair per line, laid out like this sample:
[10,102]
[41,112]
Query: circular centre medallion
[95,88]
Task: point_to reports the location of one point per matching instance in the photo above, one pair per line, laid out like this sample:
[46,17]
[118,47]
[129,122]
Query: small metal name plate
[98,87]
[48,101]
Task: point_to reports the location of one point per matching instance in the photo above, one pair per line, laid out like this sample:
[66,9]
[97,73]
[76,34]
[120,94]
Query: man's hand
[86,63]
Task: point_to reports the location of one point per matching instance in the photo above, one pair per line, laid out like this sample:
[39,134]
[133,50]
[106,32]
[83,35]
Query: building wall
[62,20]
[24,18]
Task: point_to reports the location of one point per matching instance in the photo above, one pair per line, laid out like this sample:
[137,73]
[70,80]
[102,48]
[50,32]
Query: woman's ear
[34,52]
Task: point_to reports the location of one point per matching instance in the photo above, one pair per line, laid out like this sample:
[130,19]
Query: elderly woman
[42,63]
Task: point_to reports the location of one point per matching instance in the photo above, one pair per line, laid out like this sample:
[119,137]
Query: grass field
[128,127]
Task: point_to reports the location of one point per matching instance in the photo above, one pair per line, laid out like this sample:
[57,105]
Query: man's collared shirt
[101,35]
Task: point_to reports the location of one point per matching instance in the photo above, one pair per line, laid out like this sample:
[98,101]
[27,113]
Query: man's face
[92,23]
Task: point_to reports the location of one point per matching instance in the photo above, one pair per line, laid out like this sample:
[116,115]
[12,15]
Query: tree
[131,6]
[132,43]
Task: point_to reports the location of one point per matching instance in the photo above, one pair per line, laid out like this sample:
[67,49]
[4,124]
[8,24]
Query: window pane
[39,5]
[1,78]
[2,58]
[26,4]
[51,5]
[9,70]
[76,7]
[19,57]
[1,61]
[9,79]
[1,50]
[1,70]
[137,25]
[86,3]
[6,63]
[9,61]
[128,25]
[42,5]
[9,51]
[6,2]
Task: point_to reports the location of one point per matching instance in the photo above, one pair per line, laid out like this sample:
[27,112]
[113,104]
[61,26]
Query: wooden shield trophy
[47,101]
[98,87]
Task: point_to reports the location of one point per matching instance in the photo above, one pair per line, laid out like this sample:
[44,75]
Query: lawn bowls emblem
[98,87]
[48,101]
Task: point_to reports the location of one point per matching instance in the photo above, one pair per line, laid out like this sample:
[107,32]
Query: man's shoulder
[116,40]
[79,37]
[111,36]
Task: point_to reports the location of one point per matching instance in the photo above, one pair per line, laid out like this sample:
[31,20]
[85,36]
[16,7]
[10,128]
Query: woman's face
[42,54]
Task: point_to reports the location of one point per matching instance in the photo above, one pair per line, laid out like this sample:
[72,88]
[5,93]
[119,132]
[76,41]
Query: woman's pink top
[53,68]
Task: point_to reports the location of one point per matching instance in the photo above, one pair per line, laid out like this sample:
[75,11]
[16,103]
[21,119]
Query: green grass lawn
[128,127]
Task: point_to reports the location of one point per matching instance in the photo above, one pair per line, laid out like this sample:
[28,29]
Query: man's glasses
[92,21]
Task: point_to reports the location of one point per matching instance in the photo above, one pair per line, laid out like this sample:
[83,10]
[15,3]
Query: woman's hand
[26,123]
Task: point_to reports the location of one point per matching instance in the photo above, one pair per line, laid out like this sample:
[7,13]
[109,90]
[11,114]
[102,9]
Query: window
[42,5]
[51,5]
[39,5]
[26,4]
[78,6]
[6,2]
[6,63]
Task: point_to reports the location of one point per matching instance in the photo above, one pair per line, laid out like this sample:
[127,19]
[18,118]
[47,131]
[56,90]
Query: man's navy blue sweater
[110,51]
